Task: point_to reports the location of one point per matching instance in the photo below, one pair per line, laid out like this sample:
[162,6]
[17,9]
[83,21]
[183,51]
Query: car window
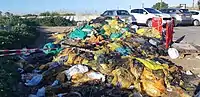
[141,11]
[108,13]
[122,12]
[151,10]
[184,11]
[135,11]
[163,10]
[194,13]
[105,13]
[171,11]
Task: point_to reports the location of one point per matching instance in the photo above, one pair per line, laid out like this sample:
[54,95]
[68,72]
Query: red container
[169,33]
[157,24]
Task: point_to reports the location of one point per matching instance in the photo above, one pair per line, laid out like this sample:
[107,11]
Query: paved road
[192,34]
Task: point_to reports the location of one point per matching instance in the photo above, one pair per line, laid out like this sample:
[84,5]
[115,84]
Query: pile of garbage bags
[105,58]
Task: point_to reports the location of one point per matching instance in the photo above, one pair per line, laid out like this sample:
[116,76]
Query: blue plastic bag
[35,80]
[41,92]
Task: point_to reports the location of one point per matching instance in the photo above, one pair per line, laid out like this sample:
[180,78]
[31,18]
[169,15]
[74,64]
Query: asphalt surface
[192,34]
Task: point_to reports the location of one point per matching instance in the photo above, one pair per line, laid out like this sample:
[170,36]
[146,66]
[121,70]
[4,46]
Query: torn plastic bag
[35,80]
[76,69]
[122,78]
[151,64]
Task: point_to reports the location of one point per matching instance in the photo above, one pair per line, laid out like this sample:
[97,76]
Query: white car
[145,15]
[196,17]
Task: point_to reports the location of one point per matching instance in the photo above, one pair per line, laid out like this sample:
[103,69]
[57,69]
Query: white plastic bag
[96,76]
[76,69]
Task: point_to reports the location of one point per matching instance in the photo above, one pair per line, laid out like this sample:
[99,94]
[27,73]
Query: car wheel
[196,23]
[149,23]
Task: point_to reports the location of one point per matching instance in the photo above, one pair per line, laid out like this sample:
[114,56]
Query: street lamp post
[193,4]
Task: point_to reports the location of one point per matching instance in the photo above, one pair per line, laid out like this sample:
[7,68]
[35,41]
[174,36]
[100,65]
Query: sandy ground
[188,63]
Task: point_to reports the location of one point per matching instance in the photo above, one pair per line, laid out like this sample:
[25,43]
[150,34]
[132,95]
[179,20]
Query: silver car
[121,14]
[181,16]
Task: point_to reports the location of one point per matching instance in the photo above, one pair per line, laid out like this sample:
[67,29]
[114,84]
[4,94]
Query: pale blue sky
[35,6]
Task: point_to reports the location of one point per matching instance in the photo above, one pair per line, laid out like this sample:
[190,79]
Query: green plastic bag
[115,35]
[51,48]
[78,33]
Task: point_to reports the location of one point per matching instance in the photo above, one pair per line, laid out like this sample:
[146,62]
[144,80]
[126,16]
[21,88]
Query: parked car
[121,14]
[196,17]
[145,15]
[180,16]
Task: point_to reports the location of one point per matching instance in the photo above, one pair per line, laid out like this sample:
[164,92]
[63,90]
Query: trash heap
[105,58]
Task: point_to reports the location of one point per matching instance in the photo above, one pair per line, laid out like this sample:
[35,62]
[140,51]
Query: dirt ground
[188,63]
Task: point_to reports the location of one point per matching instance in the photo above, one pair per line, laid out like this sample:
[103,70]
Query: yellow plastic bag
[149,33]
[107,29]
[123,78]
[78,60]
[113,23]
[105,69]
[64,52]
[101,51]
[94,39]
[151,64]
[71,58]
[140,32]
[151,85]
[153,88]
[127,34]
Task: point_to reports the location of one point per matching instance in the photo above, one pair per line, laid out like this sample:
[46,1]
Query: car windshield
[122,12]
[151,10]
